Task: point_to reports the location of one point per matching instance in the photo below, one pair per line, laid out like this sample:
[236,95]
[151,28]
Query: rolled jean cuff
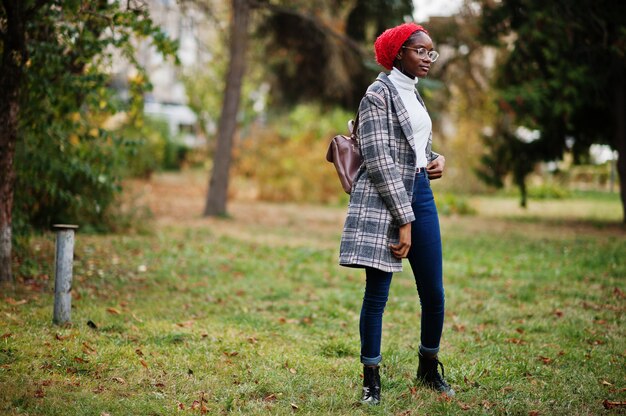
[431,352]
[371,361]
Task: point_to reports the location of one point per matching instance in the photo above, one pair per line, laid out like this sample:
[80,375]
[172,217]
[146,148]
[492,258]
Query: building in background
[168,99]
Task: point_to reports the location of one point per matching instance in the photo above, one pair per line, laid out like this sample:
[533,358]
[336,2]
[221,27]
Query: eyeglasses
[422,53]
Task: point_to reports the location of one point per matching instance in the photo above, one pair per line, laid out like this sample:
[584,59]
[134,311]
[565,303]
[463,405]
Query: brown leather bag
[344,153]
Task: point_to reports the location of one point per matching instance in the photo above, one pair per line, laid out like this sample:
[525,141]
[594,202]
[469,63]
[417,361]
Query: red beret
[388,44]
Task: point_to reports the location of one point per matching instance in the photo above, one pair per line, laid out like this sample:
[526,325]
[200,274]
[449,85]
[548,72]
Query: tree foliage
[54,101]
[315,50]
[562,74]
[67,161]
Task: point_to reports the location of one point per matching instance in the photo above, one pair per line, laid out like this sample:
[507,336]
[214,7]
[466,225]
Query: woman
[392,213]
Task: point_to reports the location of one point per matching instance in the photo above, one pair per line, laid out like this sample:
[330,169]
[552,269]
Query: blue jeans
[425,258]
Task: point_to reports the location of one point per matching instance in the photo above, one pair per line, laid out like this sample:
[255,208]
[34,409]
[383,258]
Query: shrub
[146,147]
[450,204]
[548,191]
[287,159]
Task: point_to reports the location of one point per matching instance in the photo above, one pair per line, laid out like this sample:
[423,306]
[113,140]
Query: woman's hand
[401,249]
[435,168]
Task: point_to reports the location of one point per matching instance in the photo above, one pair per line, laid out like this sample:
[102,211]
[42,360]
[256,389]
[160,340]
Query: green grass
[259,319]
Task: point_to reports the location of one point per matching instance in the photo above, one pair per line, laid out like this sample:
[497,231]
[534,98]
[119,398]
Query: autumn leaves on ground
[250,314]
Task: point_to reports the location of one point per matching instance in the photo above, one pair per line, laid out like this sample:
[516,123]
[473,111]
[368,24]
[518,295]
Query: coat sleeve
[374,140]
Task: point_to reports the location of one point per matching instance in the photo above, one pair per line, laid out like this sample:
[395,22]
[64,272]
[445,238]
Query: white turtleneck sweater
[418,116]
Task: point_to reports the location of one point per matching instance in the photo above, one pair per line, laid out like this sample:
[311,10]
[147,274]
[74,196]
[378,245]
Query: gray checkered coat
[380,200]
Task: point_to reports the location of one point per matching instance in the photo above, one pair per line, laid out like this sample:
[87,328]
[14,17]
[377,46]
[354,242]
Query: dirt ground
[177,199]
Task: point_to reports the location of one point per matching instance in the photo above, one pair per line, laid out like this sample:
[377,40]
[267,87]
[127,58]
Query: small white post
[64,260]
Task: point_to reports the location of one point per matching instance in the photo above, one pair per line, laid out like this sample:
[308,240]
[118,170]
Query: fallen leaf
[6,335]
[39,393]
[252,340]
[458,328]
[270,398]
[545,360]
[487,404]
[14,302]
[444,398]
[139,352]
[195,405]
[98,389]
[60,337]
[203,408]
[294,406]
[88,349]
[610,404]
[144,363]
[517,341]
[619,293]
[558,313]
[231,354]
[464,406]
[533,413]
[180,406]
[292,371]
[113,311]
[606,383]
[105,414]
[186,324]
[119,380]
[520,330]
[80,360]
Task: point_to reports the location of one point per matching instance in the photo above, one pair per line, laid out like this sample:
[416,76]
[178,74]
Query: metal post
[64,259]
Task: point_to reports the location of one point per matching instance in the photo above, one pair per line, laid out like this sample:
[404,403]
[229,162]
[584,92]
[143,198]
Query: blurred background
[241,99]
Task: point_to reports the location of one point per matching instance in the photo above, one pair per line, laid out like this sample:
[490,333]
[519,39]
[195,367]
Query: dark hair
[414,37]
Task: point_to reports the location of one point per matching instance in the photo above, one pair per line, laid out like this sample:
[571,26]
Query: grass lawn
[252,315]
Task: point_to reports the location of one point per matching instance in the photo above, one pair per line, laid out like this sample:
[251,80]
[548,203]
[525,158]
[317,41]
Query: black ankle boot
[371,385]
[428,374]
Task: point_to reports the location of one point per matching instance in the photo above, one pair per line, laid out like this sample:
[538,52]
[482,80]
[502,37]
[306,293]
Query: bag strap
[354,127]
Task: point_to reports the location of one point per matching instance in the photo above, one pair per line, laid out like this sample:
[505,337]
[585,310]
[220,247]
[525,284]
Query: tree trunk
[620,134]
[8,136]
[11,74]
[218,184]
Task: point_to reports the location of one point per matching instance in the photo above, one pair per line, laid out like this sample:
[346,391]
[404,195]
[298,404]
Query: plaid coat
[380,200]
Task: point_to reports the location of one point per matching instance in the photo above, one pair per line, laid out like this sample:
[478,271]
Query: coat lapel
[401,111]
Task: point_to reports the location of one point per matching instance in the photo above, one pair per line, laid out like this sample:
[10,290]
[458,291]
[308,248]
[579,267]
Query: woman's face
[408,60]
